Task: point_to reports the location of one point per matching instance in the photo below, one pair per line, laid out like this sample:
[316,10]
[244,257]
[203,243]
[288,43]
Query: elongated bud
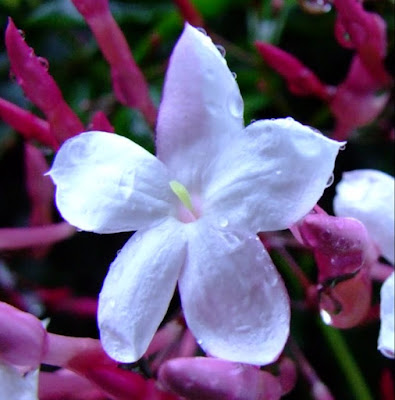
[22,337]
[32,75]
[344,255]
[301,80]
[128,81]
[27,124]
[213,379]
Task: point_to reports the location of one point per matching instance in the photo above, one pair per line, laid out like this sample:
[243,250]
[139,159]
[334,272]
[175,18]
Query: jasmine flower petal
[271,176]
[138,288]
[15,385]
[106,183]
[368,195]
[234,300]
[201,108]
[387,335]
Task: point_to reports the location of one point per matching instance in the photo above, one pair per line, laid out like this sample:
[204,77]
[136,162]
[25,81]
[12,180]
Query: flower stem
[347,363]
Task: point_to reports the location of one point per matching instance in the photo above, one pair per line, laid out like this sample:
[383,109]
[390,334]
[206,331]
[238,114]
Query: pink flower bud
[341,245]
[22,238]
[22,337]
[357,101]
[213,379]
[189,12]
[39,187]
[27,124]
[300,79]
[346,303]
[65,384]
[129,84]
[101,123]
[344,255]
[32,75]
[364,31]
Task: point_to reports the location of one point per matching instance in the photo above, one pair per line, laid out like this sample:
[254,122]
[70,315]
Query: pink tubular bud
[39,187]
[357,100]
[27,124]
[341,245]
[213,379]
[31,74]
[288,375]
[129,84]
[344,255]
[22,238]
[345,304]
[22,337]
[101,123]
[301,80]
[364,31]
[189,12]
[65,384]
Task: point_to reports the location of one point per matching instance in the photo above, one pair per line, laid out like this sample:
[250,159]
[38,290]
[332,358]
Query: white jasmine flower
[197,208]
[368,195]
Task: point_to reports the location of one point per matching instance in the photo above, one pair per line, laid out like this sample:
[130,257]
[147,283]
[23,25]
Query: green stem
[347,363]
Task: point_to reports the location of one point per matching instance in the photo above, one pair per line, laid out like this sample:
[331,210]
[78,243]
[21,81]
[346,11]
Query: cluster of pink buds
[365,91]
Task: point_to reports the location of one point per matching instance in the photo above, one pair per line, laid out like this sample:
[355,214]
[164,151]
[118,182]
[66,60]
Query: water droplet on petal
[234,75]
[252,121]
[202,30]
[343,147]
[223,223]
[243,328]
[221,50]
[279,172]
[330,180]
[235,104]
[199,342]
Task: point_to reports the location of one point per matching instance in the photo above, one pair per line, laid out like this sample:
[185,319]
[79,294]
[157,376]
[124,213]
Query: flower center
[186,213]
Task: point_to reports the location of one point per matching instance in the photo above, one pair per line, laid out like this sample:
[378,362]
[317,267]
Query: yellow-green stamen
[182,193]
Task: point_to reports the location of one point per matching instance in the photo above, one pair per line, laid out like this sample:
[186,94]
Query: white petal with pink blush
[368,195]
[198,208]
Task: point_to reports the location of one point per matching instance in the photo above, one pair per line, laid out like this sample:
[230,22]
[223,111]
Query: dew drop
[242,328]
[43,62]
[202,30]
[199,342]
[342,147]
[235,104]
[326,317]
[330,180]
[234,75]
[223,222]
[252,121]
[221,50]
[279,172]
[22,33]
